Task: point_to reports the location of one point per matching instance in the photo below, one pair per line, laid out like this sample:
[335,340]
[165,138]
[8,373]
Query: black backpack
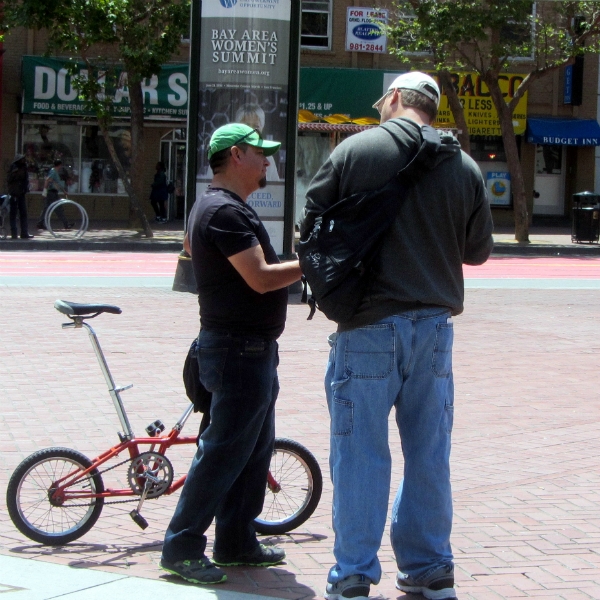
[335,255]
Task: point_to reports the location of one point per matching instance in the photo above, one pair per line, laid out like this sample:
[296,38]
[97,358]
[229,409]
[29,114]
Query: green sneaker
[200,571]
[261,556]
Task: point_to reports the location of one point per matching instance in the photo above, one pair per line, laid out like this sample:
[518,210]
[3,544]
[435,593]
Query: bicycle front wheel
[293,490]
[44,516]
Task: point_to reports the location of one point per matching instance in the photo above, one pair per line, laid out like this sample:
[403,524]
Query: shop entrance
[173,151]
[549,180]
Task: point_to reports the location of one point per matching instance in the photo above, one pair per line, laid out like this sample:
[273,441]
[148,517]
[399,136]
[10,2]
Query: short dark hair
[57,162]
[414,99]
[218,161]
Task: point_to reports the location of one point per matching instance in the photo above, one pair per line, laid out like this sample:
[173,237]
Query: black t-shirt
[221,225]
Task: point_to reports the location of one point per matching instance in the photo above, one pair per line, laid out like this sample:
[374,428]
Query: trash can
[586,223]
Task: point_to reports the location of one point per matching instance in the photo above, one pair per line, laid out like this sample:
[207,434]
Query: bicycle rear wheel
[42,516]
[295,493]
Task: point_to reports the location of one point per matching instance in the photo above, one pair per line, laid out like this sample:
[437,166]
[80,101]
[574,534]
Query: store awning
[563,132]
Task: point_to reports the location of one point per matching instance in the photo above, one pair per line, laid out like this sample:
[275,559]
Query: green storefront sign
[326,91]
[47,89]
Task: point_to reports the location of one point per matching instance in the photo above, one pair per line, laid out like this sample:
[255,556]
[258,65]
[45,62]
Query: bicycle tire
[28,497]
[300,481]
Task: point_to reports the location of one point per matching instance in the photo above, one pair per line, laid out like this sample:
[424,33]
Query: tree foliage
[486,37]
[109,37]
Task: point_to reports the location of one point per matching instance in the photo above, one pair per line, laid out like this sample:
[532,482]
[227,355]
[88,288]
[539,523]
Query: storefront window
[43,143]
[98,172]
[548,160]
[87,166]
[487,149]
[313,150]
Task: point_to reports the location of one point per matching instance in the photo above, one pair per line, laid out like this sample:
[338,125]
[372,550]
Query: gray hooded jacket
[443,222]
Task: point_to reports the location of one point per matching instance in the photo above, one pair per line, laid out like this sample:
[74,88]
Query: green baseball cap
[237,133]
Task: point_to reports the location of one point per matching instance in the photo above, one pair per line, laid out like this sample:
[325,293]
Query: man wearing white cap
[242,292]
[396,351]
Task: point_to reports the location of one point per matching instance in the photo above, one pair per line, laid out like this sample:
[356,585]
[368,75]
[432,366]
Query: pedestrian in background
[55,187]
[18,186]
[242,293]
[397,349]
[160,193]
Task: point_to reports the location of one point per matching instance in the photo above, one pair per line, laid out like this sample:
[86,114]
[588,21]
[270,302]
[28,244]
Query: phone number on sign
[367,47]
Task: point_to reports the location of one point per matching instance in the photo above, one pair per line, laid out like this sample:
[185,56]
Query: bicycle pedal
[155,428]
[138,519]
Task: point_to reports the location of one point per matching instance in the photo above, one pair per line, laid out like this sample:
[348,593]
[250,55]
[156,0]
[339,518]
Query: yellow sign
[480,113]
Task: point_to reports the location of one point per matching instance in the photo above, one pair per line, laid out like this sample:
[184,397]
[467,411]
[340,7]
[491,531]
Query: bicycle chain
[114,501]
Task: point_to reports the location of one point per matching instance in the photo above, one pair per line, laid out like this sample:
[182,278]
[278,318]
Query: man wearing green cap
[242,292]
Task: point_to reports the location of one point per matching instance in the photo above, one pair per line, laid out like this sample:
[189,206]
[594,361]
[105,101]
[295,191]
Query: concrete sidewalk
[39,580]
[168,237]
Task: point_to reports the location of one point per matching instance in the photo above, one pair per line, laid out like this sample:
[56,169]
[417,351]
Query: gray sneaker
[261,556]
[439,585]
[356,587]
[200,571]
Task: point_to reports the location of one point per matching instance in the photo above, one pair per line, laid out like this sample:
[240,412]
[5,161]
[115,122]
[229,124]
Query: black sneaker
[200,571]
[261,556]
[356,587]
[438,585]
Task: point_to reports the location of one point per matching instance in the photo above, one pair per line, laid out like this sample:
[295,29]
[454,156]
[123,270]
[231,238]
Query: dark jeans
[60,213]
[228,475]
[160,208]
[18,204]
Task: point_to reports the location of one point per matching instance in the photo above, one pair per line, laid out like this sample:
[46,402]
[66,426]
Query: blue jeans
[228,476]
[403,361]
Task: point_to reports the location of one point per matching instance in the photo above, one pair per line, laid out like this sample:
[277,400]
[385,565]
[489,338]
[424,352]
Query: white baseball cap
[417,81]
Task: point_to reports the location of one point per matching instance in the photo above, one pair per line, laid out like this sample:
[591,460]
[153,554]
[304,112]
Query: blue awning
[563,132]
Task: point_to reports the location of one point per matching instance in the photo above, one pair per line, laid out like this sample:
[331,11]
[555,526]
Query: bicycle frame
[129,442]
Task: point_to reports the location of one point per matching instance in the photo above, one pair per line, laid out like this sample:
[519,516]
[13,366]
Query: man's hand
[259,275]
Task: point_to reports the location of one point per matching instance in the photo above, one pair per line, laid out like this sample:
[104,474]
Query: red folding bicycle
[56,495]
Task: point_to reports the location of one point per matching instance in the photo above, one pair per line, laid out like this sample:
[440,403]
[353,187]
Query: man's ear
[235,153]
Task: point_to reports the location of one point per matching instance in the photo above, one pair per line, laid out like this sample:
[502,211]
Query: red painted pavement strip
[130,264]
[535,268]
[88,264]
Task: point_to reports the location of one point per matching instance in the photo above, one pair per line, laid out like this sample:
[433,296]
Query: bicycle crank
[150,472]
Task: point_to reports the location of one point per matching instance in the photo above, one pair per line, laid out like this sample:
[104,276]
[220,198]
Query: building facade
[344,69]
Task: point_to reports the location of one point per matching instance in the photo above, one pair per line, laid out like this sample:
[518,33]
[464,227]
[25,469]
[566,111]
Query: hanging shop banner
[480,113]
[365,30]
[498,188]
[323,91]
[244,68]
[47,90]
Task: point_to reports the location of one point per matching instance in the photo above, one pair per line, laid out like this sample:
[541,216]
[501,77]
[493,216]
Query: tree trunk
[136,100]
[509,140]
[133,201]
[457,109]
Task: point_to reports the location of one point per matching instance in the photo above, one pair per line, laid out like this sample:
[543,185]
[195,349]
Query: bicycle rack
[84,217]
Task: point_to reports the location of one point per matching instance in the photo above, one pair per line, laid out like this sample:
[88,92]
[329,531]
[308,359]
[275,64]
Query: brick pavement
[525,455]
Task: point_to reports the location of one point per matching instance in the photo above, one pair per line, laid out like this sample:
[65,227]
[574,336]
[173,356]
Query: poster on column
[244,63]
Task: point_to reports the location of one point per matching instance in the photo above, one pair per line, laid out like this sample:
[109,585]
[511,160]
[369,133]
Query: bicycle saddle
[80,310]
